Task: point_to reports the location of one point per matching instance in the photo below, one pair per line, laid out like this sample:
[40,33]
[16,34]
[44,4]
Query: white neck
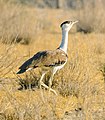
[64,42]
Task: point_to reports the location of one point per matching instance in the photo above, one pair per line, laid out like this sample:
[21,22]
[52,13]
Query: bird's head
[67,25]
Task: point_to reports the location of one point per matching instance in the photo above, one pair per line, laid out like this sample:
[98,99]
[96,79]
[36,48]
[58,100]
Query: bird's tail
[21,71]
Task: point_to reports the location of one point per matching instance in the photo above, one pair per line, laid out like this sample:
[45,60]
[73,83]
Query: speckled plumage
[44,59]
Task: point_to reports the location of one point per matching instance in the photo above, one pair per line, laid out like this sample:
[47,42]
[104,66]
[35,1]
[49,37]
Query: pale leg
[40,83]
[50,81]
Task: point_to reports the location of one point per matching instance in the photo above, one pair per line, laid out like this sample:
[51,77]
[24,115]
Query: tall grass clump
[82,79]
[92,17]
[77,79]
[19,24]
[30,81]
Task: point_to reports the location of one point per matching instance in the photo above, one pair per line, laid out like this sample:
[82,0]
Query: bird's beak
[76,21]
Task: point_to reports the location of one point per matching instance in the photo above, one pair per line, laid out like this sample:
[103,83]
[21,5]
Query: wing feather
[45,58]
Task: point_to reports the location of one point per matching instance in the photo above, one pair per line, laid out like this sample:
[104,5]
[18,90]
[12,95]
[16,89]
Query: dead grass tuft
[80,84]
[18,24]
[92,17]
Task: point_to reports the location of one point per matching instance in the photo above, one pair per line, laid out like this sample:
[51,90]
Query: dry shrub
[102,69]
[82,78]
[8,59]
[92,17]
[27,105]
[20,24]
[78,75]
[30,81]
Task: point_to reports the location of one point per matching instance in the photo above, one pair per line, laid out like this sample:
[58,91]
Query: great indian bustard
[51,60]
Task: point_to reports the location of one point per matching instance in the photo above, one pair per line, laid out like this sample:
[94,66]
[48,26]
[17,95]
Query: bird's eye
[69,22]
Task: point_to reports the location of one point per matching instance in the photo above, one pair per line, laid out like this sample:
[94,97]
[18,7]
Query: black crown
[64,23]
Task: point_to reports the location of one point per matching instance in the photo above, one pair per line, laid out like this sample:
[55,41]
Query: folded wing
[44,59]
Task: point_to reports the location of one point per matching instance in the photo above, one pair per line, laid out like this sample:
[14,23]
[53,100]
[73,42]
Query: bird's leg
[41,82]
[50,82]
[50,89]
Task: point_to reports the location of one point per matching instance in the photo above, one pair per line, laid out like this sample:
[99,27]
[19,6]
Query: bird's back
[44,59]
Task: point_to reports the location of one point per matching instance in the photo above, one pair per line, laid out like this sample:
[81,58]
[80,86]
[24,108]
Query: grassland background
[80,85]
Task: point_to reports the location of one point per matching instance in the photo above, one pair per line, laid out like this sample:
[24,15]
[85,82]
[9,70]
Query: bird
[50,60]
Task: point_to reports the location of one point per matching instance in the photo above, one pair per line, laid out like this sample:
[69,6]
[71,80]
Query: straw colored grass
[80,84]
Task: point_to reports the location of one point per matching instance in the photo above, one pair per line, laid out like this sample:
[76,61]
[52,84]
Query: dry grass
[20,24]
[80,84]
[92,17]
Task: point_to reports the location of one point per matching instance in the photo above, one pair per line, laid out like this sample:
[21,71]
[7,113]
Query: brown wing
[45,58]
[52,58]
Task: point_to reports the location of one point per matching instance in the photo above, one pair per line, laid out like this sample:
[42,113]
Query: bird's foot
[52,90]
[49,88]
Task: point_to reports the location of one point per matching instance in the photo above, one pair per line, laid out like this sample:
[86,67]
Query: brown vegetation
[80,84]
[92,17]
